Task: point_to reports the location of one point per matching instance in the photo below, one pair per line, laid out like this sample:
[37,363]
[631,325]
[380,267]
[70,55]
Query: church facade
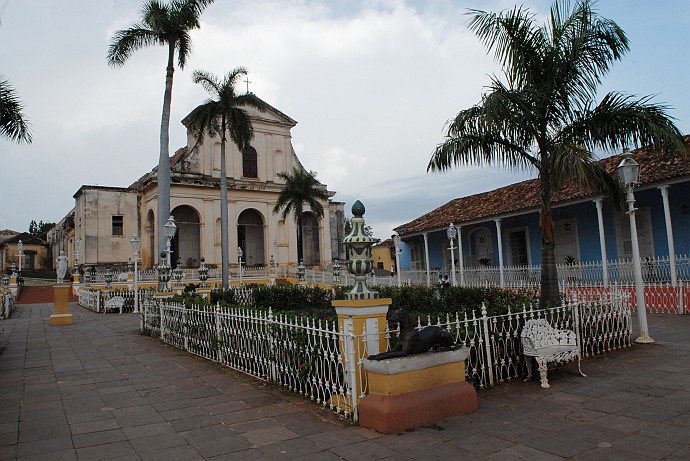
[99,229]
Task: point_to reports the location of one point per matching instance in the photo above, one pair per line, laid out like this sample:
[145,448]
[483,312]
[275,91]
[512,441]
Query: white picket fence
[317,361]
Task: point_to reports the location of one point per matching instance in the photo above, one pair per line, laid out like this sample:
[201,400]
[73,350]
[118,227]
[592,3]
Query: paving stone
[194,422]
[520,452]
[98,438]
[44,446]
[146,430]
[269,435]
[221,445]
[94,426]
[646,446]
[335,438]
[290,449]
[368,449]
[181,453]
[109,451]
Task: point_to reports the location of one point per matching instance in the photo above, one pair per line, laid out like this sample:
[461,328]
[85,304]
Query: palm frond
[13,124]
[620,120]
[125,42]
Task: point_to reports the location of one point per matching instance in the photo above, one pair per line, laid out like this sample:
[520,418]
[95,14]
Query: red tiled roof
[656,167]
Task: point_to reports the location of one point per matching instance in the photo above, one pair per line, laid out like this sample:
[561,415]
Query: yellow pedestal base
[61,315]
[409,392]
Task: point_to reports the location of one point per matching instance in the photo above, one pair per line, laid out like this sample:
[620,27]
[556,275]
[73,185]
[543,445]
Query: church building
[99,229]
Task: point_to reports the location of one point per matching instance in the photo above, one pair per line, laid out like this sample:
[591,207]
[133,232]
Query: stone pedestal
[409,392]
[61,314]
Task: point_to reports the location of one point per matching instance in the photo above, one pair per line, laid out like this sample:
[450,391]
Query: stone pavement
[98,390]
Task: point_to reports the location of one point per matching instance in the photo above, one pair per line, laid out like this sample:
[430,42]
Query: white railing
[314,359]
[654,270]
[95,299]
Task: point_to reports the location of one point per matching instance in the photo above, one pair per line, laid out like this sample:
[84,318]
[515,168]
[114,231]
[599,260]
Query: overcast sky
[371,84]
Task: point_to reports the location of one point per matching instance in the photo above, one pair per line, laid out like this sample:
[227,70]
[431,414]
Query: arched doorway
[187,242]
[310,240]
[250,236]
[149,260]
[483,253]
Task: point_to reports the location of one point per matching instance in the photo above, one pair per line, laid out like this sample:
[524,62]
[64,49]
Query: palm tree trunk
[224,246]
[164,156]
[550,295]
[299,239]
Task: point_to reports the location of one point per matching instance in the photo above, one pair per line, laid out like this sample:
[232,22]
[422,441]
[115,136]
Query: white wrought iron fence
[316,360]
[95,299]
[654,270]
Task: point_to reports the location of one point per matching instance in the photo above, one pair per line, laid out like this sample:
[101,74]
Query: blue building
[500,228]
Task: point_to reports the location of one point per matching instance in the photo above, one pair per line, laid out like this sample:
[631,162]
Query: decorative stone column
[61,314]
[179,273]
[362,316]
[108,276]
[163,274]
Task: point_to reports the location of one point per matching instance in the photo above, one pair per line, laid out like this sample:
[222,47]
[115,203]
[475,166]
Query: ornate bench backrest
[539,334]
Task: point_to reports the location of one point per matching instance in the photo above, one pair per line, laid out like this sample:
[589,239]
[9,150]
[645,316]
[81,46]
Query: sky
[371,84]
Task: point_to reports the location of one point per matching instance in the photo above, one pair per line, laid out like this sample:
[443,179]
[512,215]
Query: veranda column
[426,258]
[669,235]
[460,257]
[500,251]
[602,241]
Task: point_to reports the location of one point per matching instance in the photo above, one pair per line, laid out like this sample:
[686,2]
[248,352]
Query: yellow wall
[381,254]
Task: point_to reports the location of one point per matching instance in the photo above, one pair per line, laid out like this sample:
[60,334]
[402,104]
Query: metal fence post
[185,327]
[162,329]
[576,319]
[98,301]
[351,367]
[487,345]
[219,334]
[271,346]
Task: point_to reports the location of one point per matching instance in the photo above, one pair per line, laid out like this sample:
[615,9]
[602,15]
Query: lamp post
[452,232]
[629,174]
[396,241]
[239,257]
[136,246]
[170,230]
[20,248]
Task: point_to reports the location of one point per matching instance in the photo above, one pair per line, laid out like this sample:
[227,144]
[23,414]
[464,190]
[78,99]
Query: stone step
[36,295]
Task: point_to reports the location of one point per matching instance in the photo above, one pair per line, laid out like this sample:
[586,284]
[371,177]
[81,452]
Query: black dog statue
[412,341]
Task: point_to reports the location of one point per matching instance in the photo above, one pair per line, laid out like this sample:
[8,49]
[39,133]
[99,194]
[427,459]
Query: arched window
[249,163]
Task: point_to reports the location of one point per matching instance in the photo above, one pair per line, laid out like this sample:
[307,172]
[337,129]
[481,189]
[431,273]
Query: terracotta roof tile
[655,166]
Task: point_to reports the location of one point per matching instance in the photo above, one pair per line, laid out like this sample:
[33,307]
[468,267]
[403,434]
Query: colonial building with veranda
[99,229]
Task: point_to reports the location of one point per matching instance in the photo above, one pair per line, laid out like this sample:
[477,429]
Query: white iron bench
[547,344]
[114,303]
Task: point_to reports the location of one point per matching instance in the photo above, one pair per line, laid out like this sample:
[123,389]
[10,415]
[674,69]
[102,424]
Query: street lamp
[629,174]
[20,247]
[136,246]
[396,241]
[452,232]
[170,229]
[239,257]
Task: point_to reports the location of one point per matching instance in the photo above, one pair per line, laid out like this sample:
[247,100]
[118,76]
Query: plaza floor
[98,390]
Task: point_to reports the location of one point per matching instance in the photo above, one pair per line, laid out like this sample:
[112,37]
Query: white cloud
[371,83]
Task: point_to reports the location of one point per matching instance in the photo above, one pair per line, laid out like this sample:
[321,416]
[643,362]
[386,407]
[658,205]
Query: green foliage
[41,229]
[424,301]
[296,299]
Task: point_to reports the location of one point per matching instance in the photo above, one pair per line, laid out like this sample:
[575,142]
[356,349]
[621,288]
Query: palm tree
[166,25]
[544,116]
[301,187]
[222,114]
[13,124]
